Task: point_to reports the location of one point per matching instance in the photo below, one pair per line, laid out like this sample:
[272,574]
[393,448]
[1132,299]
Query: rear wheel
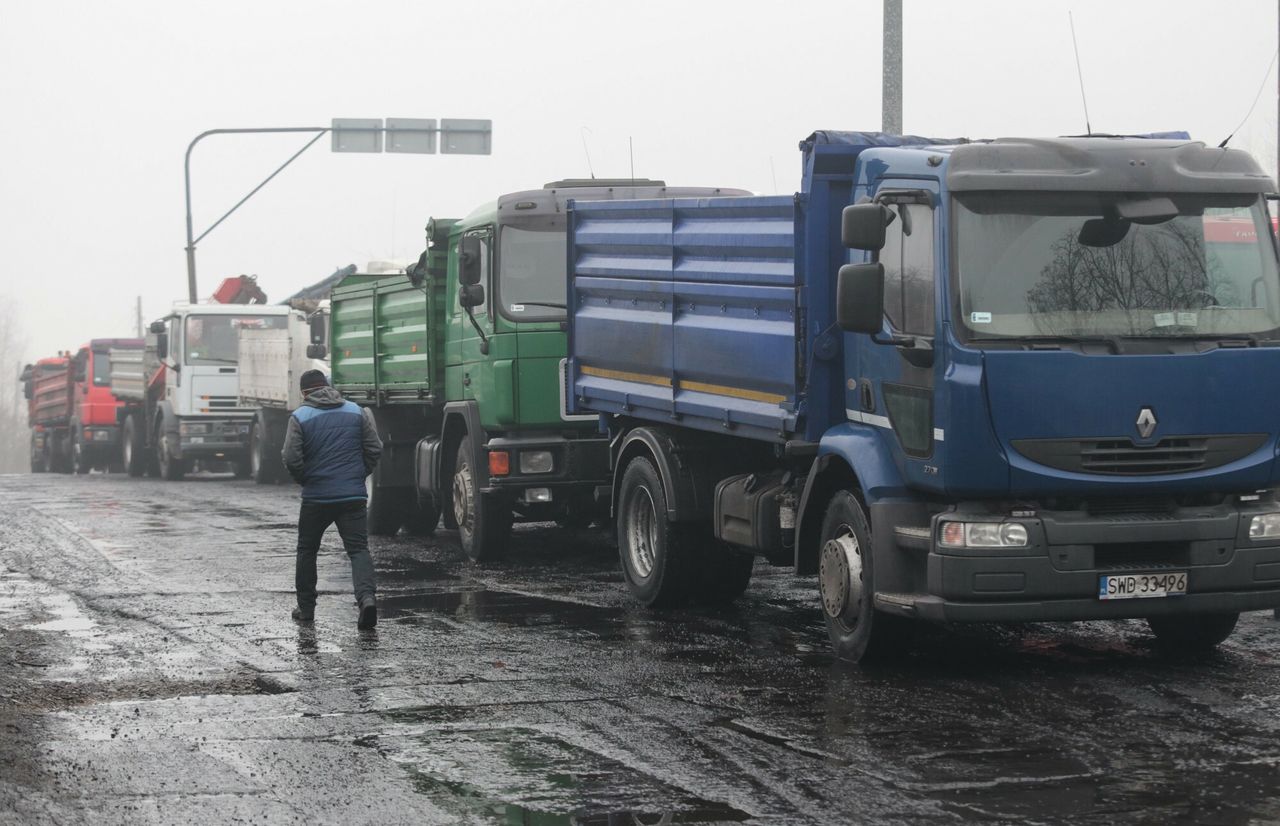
[846,581]
[133,450]
[384,509]
[1196,633]
[658,557]
[79,462]
[724,573]
[423,516]
[484,523]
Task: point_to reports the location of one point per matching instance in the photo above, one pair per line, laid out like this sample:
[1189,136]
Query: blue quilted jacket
[330,447]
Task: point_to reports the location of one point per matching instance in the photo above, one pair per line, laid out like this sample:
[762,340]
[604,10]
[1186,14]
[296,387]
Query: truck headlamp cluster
[536,461]
[983,535]
[1265,526]
[192,428]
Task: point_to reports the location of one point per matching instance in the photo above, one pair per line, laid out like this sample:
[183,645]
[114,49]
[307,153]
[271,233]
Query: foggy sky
[101,99]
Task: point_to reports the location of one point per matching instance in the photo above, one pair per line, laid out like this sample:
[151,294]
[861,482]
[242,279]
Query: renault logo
[1146,422]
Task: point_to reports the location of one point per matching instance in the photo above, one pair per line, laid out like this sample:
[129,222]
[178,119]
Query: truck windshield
[1108,264]
[215,339]
[531,272]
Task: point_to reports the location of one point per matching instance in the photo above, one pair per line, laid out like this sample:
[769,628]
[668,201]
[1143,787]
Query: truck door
[895,386]
[469,341]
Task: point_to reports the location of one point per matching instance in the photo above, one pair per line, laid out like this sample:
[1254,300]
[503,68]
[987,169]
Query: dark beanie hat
[312,379]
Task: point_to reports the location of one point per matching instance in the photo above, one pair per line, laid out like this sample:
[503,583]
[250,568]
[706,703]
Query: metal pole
[891,71]
[138,317]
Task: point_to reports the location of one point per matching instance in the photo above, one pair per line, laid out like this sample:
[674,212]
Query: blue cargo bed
[687,310]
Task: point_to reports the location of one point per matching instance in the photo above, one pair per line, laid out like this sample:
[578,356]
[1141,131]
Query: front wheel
[657,556]
[79,462]
[133,449]
[846,582]
[1194,634]
[172,469]
[484,523]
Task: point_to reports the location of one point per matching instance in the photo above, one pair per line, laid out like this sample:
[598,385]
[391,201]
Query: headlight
[187,428]
[983,535]
[1264,526]
[535,461]
[101,435]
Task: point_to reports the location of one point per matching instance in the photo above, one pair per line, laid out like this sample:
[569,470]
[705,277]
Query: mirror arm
[484,340]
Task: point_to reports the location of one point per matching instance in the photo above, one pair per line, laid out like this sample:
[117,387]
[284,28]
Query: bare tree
[14,436]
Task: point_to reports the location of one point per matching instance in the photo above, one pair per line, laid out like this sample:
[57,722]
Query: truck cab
[193,410]
[95,423]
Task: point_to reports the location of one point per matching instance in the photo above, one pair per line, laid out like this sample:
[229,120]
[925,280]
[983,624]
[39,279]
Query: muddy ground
[149,673]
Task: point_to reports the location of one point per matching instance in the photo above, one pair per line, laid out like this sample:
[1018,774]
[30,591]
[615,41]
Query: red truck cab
[95,419]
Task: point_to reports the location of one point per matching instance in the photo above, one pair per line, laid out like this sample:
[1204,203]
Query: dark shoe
[368,613]
[309,615]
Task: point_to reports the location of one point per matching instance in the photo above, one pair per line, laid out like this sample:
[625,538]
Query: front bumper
[100,438]
[1056,576]
[213,437]
[578,465]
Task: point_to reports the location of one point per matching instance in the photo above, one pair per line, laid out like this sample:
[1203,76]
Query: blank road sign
[416,135]
[466,137]
[357,134]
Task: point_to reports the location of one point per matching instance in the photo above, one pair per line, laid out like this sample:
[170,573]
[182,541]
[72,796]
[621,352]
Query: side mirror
[162,343]
[862,226]
[418,272]
[860,298]
[317,351]
[26,379]
[316,325]
[156,327]
[471,295]
[469,261]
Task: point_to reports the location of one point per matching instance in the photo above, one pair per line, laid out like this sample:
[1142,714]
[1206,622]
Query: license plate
[1142,586]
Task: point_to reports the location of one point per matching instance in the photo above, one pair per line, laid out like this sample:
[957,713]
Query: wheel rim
[642,532]
[255,446]
[77,455]
[127,449]
[840,578]
[462,496]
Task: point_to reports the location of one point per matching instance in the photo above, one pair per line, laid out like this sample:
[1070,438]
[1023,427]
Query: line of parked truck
[1011,380]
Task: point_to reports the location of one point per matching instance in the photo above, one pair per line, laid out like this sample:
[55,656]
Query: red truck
[74,417]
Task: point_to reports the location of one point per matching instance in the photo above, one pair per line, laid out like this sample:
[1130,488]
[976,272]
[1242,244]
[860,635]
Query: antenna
[631,148]
[774,175]
[1261,85]
[1079,74]
[582,133]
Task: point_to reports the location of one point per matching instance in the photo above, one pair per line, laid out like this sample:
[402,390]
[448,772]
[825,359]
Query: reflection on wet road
[154,676]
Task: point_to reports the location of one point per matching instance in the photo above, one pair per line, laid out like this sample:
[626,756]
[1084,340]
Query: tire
[172,469]
[846,579]
[79,462]
[1192,634]
[60,455]
[484,523]
[384,509]
[658,558]
[261,468]
[37,457]
[724,573]
[242,468]
[423,517]
[133,447]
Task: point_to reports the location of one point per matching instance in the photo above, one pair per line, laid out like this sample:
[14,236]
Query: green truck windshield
[1057,264]
[531,273]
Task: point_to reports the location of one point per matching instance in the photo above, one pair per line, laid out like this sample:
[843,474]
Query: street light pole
[466,137]
[891,70]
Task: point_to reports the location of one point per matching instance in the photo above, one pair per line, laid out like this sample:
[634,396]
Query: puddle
[68,617]
[495,606]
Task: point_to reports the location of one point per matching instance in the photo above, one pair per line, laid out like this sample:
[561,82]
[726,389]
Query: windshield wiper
[1112,342]
[552,304]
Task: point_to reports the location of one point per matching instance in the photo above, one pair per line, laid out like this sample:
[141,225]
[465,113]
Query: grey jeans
[352,521]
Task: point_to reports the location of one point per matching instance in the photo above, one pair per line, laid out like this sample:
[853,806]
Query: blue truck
[991,381]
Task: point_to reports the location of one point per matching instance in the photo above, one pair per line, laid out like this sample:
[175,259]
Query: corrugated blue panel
[686,309]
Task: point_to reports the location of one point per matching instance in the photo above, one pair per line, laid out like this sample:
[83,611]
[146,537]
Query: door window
[908,269]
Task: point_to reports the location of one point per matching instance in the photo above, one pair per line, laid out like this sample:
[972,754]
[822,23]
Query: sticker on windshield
[979,318]
[517,308]
[1166,319]
[1186,319]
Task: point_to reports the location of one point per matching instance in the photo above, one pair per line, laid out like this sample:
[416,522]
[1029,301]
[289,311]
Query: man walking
[330,447]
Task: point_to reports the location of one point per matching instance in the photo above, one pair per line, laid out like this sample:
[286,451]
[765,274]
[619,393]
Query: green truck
[462,361]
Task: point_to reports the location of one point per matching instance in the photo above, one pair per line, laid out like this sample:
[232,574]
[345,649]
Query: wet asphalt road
[149,673]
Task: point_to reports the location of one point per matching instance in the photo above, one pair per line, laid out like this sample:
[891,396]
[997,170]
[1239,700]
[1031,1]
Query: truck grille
[1120,456]
[222,401]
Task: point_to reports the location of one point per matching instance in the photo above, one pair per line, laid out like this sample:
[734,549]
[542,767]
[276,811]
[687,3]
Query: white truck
[271,363]
[183,397]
